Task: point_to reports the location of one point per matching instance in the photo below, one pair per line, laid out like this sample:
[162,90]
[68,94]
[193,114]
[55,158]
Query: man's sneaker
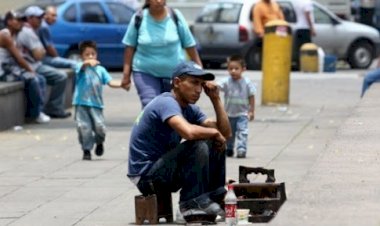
[198,205]
[99,150]
[42,118]
[240,154]
[86,155]
[229,152]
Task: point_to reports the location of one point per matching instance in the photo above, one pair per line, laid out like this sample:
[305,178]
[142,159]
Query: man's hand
[312,32]
[219,143]
[211,90]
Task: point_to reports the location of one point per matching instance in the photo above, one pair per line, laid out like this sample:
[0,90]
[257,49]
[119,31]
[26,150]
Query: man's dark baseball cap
[192,69]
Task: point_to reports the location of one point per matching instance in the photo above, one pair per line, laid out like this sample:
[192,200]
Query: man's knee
[199,148]
[61,76]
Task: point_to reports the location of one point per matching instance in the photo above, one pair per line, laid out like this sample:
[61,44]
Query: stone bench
[12,101]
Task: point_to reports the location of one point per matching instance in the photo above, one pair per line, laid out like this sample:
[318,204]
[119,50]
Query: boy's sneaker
[240,154]
[86,155]
[99,150]
[229,152]
[42,118]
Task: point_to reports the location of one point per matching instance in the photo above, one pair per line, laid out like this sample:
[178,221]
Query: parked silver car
[224,27]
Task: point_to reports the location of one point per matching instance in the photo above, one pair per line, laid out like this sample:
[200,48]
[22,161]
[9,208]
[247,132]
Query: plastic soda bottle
[230,205]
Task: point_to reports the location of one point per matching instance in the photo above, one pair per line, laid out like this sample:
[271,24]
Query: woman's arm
[127,70]
[194,56]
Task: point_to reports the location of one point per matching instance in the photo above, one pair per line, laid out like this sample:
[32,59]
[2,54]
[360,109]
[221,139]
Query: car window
[229,13]
[92,12]
[320,16]
[70,13]
[121,13]
[288,11]
[220,13]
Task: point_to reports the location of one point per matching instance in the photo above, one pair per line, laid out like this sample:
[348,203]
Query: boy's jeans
[193,166]
[90,125]
[239,127]
[371,77]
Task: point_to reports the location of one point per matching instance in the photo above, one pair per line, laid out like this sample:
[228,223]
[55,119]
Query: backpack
[172,14]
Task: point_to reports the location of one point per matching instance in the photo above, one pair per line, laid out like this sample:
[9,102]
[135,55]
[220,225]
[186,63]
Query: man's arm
[9,45]
[38,53]
[190,131]
[222,123]
[51,51]
[310,23]
[45,37]
[257,23]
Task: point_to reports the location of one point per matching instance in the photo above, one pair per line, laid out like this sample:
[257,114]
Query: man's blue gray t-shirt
[152,136]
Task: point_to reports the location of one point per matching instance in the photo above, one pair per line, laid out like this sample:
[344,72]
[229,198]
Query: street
[43,180]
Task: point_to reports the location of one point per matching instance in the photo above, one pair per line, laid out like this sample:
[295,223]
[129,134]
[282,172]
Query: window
[321,17]
[70,14]
[209,13]
[229,13]
[121,13]
[93,13]
[220,13]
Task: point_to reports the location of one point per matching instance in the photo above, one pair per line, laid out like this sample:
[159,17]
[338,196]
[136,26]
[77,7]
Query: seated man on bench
[15,68]
[158,161]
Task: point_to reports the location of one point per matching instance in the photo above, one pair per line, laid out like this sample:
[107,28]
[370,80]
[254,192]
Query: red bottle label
[230,210]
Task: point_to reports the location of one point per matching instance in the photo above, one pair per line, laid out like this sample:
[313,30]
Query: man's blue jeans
[371,77]
[239,127]
[193,166]
[57,80]
[34,89]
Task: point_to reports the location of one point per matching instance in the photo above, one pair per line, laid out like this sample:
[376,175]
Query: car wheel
[74,55]
[253,59]
[360,55]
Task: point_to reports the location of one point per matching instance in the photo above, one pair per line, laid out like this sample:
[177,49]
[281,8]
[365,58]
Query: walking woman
[155,42]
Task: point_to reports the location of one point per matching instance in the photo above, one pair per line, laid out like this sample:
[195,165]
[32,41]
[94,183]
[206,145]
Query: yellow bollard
[276,63]
[309,57]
